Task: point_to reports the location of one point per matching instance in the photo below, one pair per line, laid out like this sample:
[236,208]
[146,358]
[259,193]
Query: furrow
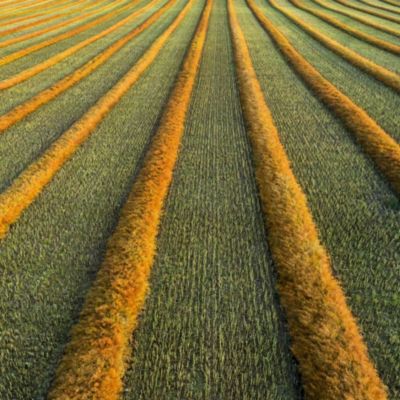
[333,359]
[365,21]
[380,146]
[382,44]
[95,357]
[389,78]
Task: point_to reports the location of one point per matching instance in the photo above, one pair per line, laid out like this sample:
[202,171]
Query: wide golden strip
[365,21]
[65,23]
[42,66]
[378,144]
[382,44]
[370,12]
[389,78]
[95,358]
[23,110]
[333,359]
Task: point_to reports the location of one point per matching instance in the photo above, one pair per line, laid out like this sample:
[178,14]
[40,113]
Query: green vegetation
[210,322]
[357,214]
[212,326]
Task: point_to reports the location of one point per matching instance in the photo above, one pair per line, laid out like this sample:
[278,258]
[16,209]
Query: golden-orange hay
[333,359]
[42,66]
[94,361]
[21,111]
[368,11]
[383,44]
[378,144]
[389,78]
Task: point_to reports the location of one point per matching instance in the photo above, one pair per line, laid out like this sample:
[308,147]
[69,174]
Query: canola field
[199,199]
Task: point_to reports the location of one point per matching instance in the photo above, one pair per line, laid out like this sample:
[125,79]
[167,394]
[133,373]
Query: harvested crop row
[29,14]
[30,183]
[98,177]
[365,21]
[5,3]
[380,146]
[30,7]
[96,355]
[380,73]
[62,24]
[332,356]
[382,44]
[391,2]
[21,28]
[25,3]
[213,268]
[36,69]
[380,7]
[21,111]
[48,42]
[368,11]
[24,16]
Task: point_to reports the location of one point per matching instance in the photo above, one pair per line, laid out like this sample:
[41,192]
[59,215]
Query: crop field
[199,199]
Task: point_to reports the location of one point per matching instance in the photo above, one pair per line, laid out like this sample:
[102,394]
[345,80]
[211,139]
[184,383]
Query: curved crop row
[379,145]
[6,3]
[94,362]
[29,7]
[11,19]
[367,11]
[48,42]
[333,359]
[379,7]
[29,25]
[36,69]
[364,21]
[62,24]
[389,78]
[382,44]
[24,16]
[21,111]
[33,179]
[391,2]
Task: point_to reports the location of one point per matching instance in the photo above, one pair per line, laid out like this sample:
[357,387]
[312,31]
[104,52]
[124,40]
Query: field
[199,199]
